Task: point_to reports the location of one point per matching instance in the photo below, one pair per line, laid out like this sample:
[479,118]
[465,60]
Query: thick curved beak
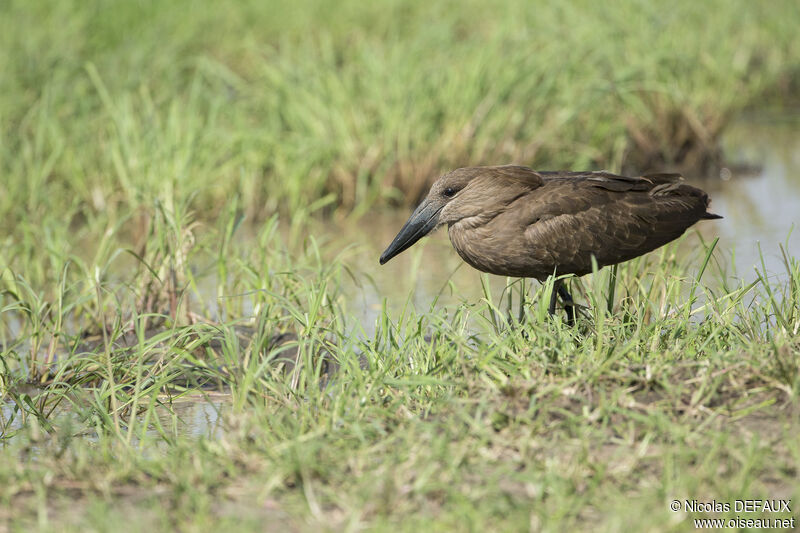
[422,221]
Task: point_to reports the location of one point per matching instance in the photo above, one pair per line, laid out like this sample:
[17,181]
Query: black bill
[422,221]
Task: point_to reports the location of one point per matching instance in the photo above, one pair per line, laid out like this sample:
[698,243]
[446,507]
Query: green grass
[456,417]
[166,168]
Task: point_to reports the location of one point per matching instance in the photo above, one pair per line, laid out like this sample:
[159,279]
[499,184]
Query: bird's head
[462,193]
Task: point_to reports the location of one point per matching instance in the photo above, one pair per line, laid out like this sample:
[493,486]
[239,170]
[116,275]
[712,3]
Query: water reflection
[196,415]
[760,207]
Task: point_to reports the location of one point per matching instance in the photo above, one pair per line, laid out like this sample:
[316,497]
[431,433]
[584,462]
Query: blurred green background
[108,105]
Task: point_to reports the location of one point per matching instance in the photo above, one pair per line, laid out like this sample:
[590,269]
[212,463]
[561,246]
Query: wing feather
[584,215]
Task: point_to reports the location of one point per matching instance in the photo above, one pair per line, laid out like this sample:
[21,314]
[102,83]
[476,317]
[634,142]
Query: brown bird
[513,221]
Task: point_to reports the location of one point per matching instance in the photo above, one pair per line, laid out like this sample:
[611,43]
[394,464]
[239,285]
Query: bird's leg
[569,305]
[554,296]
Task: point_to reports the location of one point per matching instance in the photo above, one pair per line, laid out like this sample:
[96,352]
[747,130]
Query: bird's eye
[449,192]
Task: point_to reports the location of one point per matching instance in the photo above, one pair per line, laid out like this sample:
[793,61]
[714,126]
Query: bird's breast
[499,249]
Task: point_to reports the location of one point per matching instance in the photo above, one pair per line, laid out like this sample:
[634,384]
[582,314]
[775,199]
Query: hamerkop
[513,221]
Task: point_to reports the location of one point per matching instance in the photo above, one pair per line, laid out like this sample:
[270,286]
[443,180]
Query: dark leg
[569,305]
[554,297]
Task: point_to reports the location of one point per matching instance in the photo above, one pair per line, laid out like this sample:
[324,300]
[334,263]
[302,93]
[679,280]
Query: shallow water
[761,208]
[192,415]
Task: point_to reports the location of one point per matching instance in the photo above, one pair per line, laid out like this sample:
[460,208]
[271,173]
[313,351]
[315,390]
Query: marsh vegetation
[194,198]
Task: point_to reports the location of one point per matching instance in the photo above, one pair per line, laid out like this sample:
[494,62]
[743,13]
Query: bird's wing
[599,178]
[614,182]
[587,215]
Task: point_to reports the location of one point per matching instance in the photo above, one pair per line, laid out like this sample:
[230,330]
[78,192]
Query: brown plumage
[512,221]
